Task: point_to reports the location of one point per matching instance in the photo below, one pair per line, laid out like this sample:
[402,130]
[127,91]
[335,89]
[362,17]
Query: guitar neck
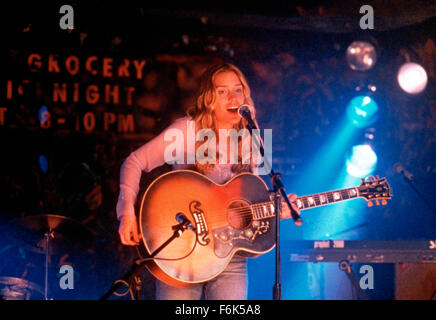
[325,198]
[266,209]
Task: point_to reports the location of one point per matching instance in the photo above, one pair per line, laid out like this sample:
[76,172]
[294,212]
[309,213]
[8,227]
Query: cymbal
[65,233]
[64,225]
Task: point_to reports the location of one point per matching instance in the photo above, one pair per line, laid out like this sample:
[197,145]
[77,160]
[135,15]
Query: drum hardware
[44,235]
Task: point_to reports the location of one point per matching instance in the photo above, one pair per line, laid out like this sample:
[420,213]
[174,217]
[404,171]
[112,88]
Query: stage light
[42,115]
[362,111]
[412,78]
[43,163]
[361,55]
[362,161]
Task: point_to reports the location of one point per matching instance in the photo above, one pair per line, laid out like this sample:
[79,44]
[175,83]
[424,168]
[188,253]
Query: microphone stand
[133,275]
[278,191]
[412,185]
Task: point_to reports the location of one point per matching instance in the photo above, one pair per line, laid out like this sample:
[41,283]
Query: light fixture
[361,55]
[412,78]
[362,111]
[362,161]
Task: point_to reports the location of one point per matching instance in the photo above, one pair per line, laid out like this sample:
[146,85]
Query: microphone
[245,112]
[400,169]
[181,218]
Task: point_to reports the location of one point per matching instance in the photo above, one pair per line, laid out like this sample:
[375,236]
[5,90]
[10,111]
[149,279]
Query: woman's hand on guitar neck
[128,231]
[286,213]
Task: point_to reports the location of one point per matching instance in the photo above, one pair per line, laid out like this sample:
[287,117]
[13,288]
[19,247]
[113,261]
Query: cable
[185,256]
[169,259]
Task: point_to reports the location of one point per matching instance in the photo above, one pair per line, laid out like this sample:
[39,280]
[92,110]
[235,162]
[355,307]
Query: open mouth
[233,109]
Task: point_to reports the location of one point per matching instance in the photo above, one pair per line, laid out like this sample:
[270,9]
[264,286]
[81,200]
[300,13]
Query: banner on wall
[85,93]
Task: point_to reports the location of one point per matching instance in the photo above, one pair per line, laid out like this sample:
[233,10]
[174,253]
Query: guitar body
[221,216]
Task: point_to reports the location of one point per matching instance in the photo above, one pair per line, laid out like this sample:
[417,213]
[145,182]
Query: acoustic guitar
[237,216]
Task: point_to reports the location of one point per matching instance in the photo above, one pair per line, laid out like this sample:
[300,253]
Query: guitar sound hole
[239,215]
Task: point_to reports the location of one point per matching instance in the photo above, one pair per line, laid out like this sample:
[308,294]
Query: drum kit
[32,251]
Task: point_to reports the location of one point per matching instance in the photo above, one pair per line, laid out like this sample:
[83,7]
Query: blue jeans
[231,284]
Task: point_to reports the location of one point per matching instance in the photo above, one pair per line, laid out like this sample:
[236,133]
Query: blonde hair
[203,114]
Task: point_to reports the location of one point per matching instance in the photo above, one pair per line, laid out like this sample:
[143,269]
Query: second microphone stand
[133,275]
[410,181]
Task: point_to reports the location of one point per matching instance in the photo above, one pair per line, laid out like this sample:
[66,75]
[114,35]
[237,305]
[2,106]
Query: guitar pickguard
[227,238]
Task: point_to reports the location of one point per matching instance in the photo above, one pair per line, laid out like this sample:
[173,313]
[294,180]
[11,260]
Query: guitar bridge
[200,222]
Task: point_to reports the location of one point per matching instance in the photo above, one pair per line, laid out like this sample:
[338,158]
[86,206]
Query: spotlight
[361,55]
[362,111]
[42,115]
[43,163]
[362,161]
[412,78]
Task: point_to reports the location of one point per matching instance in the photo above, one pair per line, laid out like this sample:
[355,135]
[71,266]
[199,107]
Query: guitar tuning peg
[370,204]
[384,202]
[376,202]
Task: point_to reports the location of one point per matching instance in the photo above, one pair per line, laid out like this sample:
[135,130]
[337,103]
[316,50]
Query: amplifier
[358,251]
[415,261]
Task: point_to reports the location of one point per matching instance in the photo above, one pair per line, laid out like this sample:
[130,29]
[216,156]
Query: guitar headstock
[375,189]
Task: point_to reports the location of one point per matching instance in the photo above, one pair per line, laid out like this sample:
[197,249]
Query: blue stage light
[43,163]
[362,111]
[362,161]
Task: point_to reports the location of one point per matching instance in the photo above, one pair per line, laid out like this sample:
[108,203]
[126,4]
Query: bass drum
[19,289]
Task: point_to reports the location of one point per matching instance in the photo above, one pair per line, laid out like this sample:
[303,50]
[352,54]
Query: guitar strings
[247,211]
[242,212]
[250,209]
